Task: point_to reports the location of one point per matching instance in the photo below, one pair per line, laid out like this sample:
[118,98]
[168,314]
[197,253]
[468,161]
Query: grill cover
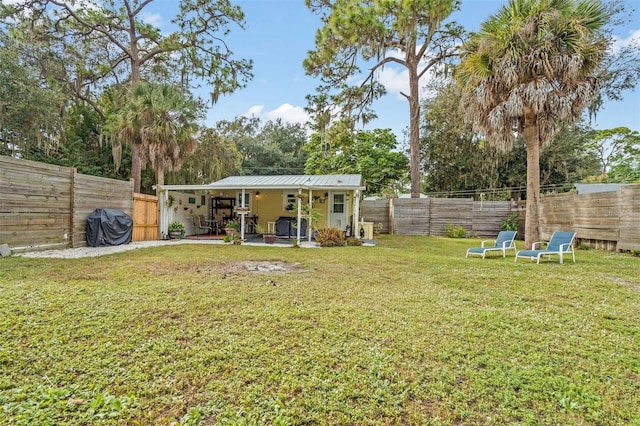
[108,227]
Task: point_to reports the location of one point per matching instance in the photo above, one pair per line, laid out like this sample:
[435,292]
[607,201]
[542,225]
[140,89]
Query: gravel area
[74,253]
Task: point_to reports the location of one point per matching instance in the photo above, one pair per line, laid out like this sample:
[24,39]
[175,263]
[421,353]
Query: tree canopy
[109,43]
[457,161]
[618,151]
[530,69]
[375,34]
[266,148]
[372,154]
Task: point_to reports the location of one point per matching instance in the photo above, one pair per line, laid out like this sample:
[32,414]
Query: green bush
[510,223]
[330,237]
[455,231]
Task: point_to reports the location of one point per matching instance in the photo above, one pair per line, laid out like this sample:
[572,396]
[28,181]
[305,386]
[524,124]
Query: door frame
[342,216]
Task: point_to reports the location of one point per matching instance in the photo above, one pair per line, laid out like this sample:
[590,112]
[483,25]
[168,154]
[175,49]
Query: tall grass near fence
[407,332]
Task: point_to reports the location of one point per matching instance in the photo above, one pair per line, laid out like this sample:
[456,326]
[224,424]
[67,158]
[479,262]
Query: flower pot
[175,234]
[232,232]
[269,238]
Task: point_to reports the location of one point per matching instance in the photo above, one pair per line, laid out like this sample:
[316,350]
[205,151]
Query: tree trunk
[136,167]
[136,160]
[532,221]
[414,129]
[159,178]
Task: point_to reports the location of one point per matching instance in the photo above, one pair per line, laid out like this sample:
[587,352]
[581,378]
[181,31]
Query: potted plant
[232,228]
[176,229]
[267,237]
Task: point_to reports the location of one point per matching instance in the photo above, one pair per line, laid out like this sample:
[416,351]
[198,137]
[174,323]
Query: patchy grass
[407,332]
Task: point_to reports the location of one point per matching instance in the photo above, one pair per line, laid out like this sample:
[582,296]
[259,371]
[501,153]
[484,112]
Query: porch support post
[163,214]
[242,215]
[299,216]
[309,219]
[356,213]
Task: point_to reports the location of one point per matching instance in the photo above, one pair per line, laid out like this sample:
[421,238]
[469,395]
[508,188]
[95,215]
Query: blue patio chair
[505,241]
[561,243]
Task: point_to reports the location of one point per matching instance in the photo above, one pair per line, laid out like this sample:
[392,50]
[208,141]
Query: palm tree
[159,122]
[531,69]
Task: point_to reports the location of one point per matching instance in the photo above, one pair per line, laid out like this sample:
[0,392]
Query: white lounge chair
[561,243]
[503,242]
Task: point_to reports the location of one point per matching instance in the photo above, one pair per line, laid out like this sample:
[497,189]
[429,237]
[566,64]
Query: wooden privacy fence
[607,220]
[46,206]
[430,216]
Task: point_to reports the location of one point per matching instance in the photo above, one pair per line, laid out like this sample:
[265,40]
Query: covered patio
[278,204]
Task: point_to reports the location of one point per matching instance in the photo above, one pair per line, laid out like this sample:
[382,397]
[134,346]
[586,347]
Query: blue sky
[279,33]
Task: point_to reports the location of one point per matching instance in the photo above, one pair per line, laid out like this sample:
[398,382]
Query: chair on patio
[561,243]
[200,224]
[505,241]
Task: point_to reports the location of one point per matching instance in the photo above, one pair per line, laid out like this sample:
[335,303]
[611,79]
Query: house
[270,202]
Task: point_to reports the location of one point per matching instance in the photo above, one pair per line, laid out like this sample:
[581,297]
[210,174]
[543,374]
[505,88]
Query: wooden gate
[145,217]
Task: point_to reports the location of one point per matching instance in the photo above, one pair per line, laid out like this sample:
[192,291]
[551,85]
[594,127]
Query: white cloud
[619,42]
[395,79]
[289,114]
[153,19]
[286,112]
[254,111]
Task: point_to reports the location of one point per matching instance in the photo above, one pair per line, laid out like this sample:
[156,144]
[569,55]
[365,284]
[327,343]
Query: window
[247,199]
[289,202]
[338,203]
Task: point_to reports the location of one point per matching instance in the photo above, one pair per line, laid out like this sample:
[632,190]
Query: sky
[279,33]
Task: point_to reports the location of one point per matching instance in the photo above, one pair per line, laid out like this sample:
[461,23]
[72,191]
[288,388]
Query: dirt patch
[266,266]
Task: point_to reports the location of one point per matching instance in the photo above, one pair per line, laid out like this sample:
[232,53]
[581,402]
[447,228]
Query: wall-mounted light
[257,193]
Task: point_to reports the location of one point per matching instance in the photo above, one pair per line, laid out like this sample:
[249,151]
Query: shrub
[510,223]
[583,246]
[233,224]
[330,237]
[455,231]
[352,241]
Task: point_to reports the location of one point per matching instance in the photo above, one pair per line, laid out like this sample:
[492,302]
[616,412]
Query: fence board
[35,202]
[92,192]
[411,216]
[487,217]
[376,211]
[629,218]
[453,211]
[46,206]
[597,216]
[557,212]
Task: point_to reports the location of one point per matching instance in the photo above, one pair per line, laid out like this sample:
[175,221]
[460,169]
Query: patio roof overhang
[286,182]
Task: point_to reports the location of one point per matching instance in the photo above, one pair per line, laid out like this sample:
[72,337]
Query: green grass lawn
[407,332]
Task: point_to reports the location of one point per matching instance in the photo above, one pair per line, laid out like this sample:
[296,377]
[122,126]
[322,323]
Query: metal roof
[279,182]
[591,188]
